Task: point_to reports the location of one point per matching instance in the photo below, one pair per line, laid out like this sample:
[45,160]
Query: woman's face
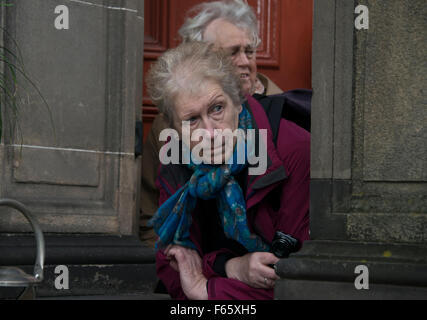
[208,108]
[236,41]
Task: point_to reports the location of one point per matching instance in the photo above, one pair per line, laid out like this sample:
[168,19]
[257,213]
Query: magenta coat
[288,169]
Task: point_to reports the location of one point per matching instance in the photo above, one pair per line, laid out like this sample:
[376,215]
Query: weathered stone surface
[323,88]
[376,213]
[12,222]
[326,270]
[387,227]
[395,99]
[56,167]
[69,68]
[333,290]
[76,170]
[97,265]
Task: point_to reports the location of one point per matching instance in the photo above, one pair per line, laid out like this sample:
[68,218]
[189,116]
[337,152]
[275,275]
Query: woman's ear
[239,111]
[240,108]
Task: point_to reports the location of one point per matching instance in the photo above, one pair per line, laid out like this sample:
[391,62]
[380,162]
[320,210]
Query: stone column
[369,156]
[74,165]
[71,159]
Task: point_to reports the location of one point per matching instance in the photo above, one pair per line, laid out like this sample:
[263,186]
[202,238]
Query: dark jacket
[276,200]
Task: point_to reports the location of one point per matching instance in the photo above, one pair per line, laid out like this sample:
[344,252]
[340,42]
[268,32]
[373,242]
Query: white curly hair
[184,68]
[236,12]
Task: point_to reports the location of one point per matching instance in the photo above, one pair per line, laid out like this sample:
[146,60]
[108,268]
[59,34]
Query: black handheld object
[283,245]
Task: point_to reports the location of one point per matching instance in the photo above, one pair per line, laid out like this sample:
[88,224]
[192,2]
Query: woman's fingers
[189,265]
[180,256]
[268,258]
[268,283]
[174,265]
[176,253]
[264,276]
[269,273]
[171,254]
[168,248]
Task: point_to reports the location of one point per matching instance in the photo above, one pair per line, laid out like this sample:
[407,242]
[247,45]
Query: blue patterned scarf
[173,219]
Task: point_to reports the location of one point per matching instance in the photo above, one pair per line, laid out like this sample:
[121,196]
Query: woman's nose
[241,59]
[210,128]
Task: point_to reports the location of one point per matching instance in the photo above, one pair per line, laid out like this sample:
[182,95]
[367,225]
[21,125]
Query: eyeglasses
[249,51]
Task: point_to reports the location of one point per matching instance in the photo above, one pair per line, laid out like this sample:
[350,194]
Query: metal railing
[13,276]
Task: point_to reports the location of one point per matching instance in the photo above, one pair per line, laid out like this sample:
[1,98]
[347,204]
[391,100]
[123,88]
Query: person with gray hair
[236,12]
[232,26]
[217,223]
[172,75]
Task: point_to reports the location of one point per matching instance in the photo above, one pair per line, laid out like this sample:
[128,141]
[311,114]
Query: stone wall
[389,196]
[369,188]
[369,153]
[72,162]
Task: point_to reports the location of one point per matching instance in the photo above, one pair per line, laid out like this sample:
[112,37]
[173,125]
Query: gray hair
[237,12]
[186,67]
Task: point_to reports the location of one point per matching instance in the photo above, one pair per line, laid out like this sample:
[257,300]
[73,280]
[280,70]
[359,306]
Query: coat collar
[259,186]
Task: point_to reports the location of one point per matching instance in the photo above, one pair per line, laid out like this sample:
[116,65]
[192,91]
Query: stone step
[141,296]
[95,266]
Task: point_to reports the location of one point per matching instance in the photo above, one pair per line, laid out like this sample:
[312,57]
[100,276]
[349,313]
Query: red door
[284,55]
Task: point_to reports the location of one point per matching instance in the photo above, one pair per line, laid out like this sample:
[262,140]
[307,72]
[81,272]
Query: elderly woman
[216,223]
[230,25]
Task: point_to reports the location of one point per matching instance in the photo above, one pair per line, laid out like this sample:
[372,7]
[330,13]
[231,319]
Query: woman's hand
[189,265]
[253,269]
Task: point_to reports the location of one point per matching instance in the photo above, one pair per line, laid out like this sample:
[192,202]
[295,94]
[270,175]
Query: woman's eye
[192,120]
[217,109]
[250,53]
